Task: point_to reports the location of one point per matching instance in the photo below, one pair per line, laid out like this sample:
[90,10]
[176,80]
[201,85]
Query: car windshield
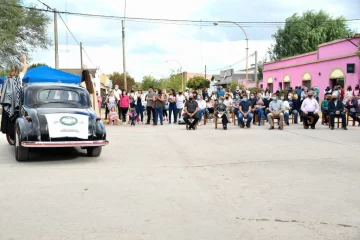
[56,98]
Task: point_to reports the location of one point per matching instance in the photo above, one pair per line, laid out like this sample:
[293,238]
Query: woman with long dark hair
[87,83]
[172,105]
[10,100]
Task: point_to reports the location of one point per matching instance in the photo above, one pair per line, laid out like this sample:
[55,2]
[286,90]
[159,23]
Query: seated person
[275,110]
[267,101]
[336,109]
[324,107]
[353,107]
[310,108]
[260,107]
[202,108]
[191,108]
[245,112]
[209,108]
[235,105]
[220,111]
[293,107]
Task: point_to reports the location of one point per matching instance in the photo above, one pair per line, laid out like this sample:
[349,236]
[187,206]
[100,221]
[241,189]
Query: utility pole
[56,41]
[205,71]
[123,46]
[81,58]
[256,70]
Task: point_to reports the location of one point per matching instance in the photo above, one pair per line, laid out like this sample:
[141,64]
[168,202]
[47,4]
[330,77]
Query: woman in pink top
[124,105]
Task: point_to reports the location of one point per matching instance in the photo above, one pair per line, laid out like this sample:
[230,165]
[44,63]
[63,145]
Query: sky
[158,48]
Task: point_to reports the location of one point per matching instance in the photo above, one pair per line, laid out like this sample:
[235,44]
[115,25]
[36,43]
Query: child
[113,116]
[132,116]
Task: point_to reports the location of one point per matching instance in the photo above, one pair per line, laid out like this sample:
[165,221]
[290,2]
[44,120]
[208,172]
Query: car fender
[21,123]
[100,130]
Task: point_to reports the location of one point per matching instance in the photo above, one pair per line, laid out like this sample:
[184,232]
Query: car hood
[43,111]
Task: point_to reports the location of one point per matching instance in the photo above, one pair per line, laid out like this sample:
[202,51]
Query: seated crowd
[299,104]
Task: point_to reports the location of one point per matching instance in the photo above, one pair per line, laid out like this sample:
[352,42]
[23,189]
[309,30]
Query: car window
[61,95]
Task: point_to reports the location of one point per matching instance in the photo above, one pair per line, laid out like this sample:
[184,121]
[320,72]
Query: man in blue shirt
[245,112]
[220,92]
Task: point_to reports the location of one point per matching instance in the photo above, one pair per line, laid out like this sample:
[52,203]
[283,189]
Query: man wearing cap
[191,108]
[336,109]
[117,93]
[310,108]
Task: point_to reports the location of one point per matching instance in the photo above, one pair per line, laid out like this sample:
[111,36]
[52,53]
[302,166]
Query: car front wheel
[21,153]
[94,151]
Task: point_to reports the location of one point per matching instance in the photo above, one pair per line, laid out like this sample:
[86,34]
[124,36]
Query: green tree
[304,33]
[174,81]
[21,31]
[34,65]
[118,79]
[148,81]
[198,82]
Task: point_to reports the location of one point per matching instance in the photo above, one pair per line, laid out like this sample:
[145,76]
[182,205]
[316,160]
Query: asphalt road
[168,183]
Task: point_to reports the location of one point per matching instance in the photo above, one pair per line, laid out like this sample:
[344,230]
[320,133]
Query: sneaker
[199,124]
[271,128]
[345,128]
[312,127]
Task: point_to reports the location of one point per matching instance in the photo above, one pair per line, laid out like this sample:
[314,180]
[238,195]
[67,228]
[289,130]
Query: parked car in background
[57,115]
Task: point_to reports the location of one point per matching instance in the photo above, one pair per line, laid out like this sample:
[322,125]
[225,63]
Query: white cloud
[148,46]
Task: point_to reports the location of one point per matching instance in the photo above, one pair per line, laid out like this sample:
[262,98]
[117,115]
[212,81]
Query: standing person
[159,106]
[317,91]
[179,104]
[172,105]
[349,91]
[117,93]
[237,91]
[10,100]
[150,107]
[165,104]
[342,92]
[356,91]
[88,84]
[220,92]
[99,99]
[132,99]
[139,101]
[205,93]
[124,105]
[327,91]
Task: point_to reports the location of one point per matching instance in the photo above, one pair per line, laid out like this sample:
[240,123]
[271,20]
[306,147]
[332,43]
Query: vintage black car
[57,115]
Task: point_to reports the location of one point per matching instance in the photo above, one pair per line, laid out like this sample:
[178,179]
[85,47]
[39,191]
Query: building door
[271,87]
[306,84]
[287,85]
[336,82]
[280,86]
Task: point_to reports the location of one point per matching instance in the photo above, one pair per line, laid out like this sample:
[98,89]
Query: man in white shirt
[310,107]
[202,107]
[180,103]
[117,93]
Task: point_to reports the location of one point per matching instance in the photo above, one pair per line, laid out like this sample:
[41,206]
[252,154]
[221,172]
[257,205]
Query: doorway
[336,82]
[306,84]
[287,85]
[280,86]
[271,87]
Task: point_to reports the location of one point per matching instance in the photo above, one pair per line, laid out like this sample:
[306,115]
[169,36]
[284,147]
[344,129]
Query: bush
[233,86]
[256,89]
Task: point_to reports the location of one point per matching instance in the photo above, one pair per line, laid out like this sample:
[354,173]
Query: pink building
[334,63]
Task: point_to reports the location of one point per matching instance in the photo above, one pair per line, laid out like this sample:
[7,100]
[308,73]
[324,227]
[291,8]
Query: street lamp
[182,75]
[247,44]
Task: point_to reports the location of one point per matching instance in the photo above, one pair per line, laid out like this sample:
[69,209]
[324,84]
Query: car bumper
[65,144]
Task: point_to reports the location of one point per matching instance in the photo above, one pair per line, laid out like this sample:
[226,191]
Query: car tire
[10,140]
[94,151]
[21,153]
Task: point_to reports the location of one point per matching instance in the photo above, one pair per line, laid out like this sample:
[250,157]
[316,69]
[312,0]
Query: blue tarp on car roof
[2,79]
[47,74]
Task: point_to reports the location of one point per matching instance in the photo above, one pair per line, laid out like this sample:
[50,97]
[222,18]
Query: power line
[219,69]
[205,22]
[69,32]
